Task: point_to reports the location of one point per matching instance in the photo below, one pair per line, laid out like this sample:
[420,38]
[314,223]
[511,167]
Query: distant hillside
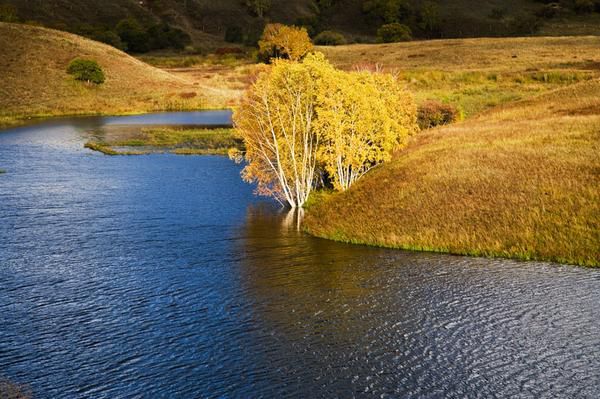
[207,20]
[34,79]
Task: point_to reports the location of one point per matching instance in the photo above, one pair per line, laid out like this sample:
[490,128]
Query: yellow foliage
[307,114]
[282,41]
[361,118]
[275,120]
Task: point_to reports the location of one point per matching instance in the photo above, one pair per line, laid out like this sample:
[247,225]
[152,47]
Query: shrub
[234,34]
[330,38]
[86,70]
[229,50]
[433,113]
[394,32]
[281,41]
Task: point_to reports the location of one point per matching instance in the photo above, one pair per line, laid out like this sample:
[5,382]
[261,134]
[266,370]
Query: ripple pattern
[164,277]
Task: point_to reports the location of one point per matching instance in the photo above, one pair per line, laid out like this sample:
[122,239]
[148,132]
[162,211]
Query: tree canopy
[304,122]
[282,41]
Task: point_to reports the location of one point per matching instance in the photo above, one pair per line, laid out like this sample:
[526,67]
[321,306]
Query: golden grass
[181,141]
[519,181]
[35,83]
[478,74]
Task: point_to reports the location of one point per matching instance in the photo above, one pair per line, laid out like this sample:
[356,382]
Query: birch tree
[361,118]
[275,119]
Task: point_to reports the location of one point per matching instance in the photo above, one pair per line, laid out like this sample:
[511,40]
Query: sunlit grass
[519,181]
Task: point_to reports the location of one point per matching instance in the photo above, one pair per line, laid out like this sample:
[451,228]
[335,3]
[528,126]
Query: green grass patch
[179,138]
[175,140]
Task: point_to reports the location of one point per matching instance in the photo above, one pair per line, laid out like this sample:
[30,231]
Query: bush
[394,32]
[433,113]
[86,70]
[330,38]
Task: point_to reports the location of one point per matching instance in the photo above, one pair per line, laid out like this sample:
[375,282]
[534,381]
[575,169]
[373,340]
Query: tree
[111,38]
[361,119]
[387,11]
[259,7]
[430,18]
[394,32]
[281,41]
[133,34]
[305,115]
[86,70]
[275,119]
[8,13]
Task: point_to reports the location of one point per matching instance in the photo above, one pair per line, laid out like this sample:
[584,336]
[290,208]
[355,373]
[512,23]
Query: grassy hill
[518,181]
[35,82]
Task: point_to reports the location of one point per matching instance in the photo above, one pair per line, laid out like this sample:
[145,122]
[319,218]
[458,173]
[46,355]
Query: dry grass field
[35,82]
[522,180]
[478,74]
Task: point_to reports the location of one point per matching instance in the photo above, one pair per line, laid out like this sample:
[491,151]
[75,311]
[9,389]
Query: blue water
[163,276]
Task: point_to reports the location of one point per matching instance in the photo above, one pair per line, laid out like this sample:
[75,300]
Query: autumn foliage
[305,120]
[282,41]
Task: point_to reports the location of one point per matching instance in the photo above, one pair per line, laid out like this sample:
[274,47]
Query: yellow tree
[361,119]
[275,119]
[282,41]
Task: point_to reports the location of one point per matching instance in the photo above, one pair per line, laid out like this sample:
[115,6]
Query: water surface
[162,276]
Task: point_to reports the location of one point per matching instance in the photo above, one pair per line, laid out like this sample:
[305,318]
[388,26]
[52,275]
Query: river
[163,276]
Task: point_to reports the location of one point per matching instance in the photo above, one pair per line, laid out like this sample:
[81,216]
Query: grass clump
[101,147]
[520,181]
[180,138]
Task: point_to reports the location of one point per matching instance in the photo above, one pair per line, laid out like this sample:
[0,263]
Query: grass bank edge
[525,256]
[180,141]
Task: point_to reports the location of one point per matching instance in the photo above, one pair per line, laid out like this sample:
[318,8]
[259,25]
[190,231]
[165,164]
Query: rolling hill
[35,82]
[520,180]
[207,20]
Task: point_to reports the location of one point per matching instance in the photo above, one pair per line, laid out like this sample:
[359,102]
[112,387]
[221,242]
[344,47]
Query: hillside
[206,21]
[35,83]
[518,181]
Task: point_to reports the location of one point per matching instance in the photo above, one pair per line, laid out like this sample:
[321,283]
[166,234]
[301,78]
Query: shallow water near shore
[162,276]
